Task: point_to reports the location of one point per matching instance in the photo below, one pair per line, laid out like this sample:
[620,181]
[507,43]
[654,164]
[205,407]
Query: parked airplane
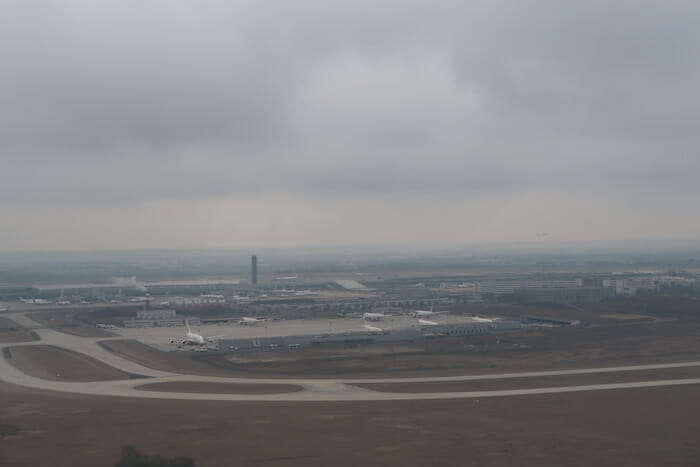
[480,320]
[34,301]
[369,327]
[247,321]
[192,338]
[425,322]
[425,313]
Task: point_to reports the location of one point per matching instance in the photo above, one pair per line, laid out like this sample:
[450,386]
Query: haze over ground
[233,124]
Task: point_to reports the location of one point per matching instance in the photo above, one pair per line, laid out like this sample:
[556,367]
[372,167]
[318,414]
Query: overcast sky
[201,124]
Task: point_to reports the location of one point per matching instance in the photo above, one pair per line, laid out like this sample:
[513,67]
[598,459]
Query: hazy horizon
[543,245]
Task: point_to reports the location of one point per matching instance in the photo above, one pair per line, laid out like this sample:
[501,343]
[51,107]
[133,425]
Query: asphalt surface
[313,389]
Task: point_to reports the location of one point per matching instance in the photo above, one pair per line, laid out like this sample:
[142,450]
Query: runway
[314,390]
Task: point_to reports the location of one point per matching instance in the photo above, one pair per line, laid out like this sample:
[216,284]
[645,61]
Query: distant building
[502,287]
[565,294]
[632,286]
[155,314]
[159,318]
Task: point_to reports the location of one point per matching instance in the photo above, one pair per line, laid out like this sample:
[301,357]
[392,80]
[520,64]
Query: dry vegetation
[64,321]
[641,427]
[13,332]
[177,362]
[58,364]
[536,382]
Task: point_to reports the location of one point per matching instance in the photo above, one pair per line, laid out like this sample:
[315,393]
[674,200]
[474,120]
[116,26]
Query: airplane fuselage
[425,322]
[481,320]
[195,339]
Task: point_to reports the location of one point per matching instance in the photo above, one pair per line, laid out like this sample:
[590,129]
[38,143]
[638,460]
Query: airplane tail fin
[187,323]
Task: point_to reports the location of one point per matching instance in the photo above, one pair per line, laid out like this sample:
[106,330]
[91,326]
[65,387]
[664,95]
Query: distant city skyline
[250,125]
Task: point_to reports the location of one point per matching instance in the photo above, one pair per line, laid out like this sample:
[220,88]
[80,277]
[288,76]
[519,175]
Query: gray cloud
[125,101]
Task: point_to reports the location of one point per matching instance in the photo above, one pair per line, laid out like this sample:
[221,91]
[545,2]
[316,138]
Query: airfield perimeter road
[313,389]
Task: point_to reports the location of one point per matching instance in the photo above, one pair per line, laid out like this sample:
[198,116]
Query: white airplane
[192,338]
[481,320]
[34,301]
[369,327]
[247,321]
[425,322]
[426,313]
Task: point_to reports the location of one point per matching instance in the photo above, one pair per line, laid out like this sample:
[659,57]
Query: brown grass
[535,382]
[64,321]
[640,427]
[13,332]
[178,362]
[57,364]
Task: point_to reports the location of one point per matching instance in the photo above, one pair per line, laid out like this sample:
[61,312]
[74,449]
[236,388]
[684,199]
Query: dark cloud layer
[132,101]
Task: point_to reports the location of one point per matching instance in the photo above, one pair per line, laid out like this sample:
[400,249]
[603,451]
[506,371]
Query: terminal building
[159,318]
[367,337]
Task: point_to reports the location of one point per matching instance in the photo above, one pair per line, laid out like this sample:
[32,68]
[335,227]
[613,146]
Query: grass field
[536,382]
[64,321]
[641,427]
[13,332]
[58,364]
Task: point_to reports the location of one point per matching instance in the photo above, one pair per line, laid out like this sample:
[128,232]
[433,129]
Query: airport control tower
[254,269]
